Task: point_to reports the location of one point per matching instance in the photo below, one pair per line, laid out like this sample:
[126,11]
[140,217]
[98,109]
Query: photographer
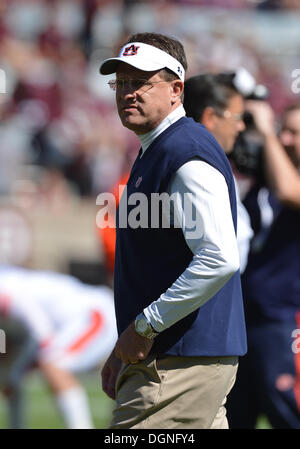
[215,101]
[268,380]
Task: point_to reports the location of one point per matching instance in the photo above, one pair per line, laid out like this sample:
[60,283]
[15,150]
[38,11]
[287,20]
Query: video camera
[247,153]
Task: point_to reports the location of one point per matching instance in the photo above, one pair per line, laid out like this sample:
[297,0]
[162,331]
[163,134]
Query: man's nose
[241,125]
[127,91]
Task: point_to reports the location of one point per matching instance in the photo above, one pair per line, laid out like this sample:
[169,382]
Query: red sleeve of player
[107,235]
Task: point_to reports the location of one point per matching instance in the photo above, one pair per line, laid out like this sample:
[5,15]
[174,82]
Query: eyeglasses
[132,85]
[229,114]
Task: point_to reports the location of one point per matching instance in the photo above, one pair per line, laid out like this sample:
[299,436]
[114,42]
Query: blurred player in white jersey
[73,325]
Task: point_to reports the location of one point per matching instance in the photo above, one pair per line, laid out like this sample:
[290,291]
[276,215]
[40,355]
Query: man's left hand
[132,347]
[263,116]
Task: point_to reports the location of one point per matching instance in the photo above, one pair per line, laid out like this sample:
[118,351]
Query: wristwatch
[144,328]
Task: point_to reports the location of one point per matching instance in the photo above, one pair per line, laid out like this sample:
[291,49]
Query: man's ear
[177,90]
[208,118]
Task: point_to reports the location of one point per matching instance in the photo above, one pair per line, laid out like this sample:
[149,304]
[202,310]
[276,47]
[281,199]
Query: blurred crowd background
[61,142]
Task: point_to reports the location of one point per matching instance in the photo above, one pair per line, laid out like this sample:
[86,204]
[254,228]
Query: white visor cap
[143,57]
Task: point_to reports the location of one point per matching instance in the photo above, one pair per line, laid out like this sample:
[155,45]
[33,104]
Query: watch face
[141,325]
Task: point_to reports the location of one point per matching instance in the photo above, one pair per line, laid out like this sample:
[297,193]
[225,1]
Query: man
[177,289]
[269,375]
[71,328]
[214,101]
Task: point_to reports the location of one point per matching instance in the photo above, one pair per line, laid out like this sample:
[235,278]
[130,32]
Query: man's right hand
[109,375]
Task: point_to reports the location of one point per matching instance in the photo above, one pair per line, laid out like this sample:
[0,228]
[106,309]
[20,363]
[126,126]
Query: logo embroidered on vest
[138,182]
[131,50]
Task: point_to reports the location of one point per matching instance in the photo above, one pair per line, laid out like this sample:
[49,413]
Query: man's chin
[132,124]
[227,149]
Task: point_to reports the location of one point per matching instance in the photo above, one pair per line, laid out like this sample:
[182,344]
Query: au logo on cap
[131,50]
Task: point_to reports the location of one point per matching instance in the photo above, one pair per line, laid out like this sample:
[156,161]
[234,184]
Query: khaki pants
[174,393]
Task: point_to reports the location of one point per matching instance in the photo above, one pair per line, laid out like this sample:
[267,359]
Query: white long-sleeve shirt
[244,231]
[214,245]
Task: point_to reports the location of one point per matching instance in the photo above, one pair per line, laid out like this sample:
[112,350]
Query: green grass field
[40,407]
[41,412]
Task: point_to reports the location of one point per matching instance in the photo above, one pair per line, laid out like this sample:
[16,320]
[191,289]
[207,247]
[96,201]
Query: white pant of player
[82,342]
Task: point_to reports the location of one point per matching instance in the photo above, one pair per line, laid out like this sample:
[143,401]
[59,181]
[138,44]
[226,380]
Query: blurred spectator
[269,374]
[279,4]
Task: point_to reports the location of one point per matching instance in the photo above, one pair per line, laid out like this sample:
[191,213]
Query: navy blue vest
[271,281]
[149,260]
